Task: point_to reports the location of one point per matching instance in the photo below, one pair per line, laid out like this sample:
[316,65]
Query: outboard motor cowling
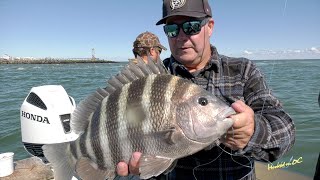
[45,118]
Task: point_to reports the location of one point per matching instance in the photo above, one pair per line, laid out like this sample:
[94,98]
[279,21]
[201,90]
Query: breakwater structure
[7,59]
[54,61]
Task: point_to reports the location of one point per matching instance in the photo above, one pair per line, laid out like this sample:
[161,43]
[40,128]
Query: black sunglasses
[191,27]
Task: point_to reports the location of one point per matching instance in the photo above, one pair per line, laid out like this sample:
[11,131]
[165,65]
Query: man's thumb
[238,106]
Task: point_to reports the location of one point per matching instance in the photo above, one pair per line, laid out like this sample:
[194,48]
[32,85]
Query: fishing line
[273,64]
[285,7]
[251,164]
[193,170]
[235,154]
[263,106]
[204,43]
[240,155]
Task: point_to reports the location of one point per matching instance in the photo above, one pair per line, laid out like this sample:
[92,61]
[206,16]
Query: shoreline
[54,61]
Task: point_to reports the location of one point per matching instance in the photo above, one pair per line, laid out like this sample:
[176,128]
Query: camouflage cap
[148,40]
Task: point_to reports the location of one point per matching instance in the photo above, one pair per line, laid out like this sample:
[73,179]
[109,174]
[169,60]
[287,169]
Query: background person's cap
[147,40]
[190,8]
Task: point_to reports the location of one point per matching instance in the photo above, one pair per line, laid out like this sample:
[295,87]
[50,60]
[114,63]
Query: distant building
[28,58]
[6,57]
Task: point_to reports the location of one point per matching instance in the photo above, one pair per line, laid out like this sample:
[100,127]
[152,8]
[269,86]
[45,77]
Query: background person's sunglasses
[191,27]
[159,49]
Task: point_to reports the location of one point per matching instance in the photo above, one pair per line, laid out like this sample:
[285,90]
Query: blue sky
[269,29]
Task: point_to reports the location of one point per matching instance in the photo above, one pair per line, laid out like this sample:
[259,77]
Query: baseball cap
[147,39]
[190,8]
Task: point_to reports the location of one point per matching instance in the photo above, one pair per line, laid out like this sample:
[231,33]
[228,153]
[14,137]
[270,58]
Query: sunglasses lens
[171,30]
[191,27]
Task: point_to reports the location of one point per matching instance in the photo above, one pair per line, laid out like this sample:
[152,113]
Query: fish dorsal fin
[81,115]
[153,66]
[162,70]
[131,72]
[153,165]
[134,71]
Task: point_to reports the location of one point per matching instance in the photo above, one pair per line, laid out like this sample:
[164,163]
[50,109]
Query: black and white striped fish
[142,109]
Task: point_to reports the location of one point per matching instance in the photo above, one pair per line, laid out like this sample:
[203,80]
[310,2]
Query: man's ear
[210,27]
[153,51]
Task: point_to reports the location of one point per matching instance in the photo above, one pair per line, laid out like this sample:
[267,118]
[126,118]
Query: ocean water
[295,82]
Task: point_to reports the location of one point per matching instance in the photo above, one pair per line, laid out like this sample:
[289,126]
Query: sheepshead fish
[144,109]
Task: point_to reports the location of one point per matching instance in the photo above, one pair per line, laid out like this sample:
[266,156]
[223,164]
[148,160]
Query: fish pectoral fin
[153,165]
[171,167]
[171,136]
[88,169]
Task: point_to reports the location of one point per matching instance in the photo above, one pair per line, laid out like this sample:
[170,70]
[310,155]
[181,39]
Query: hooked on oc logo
[176,4]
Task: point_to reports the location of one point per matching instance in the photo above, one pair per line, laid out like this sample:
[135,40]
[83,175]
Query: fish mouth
[225,113]
[221,125]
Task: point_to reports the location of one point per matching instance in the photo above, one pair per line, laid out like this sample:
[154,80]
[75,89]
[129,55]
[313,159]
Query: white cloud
[312,52]
[315,50]
[247,52]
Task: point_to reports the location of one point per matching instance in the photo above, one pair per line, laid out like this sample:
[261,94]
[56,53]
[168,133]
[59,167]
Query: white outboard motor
[45,118]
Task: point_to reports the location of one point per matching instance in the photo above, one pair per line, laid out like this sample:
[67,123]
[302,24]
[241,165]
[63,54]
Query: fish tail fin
[62,163]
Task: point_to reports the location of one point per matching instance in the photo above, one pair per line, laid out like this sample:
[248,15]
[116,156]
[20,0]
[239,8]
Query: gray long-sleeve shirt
[274,131]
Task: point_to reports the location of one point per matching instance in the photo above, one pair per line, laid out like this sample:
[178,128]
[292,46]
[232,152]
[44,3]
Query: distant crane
[93,58]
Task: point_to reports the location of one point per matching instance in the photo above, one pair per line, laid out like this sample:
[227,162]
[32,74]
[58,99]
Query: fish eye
[203,101]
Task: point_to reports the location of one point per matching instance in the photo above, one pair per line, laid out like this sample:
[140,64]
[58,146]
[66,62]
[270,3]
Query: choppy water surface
[295,83]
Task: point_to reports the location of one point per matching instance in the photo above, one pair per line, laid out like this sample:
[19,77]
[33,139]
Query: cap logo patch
[176,4]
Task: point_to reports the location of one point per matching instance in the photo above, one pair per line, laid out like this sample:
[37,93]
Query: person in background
[319,99]
[317,171]
[147,44]
[262,130]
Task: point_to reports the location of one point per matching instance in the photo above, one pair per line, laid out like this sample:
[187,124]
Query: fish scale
[144,109]
[103,129]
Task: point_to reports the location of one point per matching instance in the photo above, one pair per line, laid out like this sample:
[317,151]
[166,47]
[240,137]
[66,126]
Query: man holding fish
[204,116]
[261,130]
